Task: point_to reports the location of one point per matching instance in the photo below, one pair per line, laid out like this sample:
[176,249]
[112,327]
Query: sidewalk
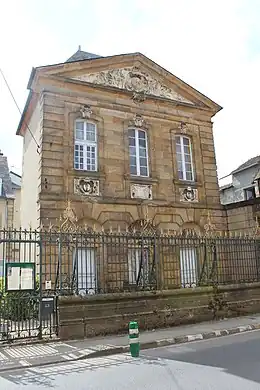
[32,355]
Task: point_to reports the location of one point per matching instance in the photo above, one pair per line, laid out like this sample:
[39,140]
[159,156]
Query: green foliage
[19,305]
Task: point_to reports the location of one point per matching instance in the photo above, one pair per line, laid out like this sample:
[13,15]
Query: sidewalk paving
[32,355]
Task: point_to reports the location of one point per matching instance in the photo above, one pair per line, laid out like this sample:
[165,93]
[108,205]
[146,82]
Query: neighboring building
[122,139]
[241,198]
[10,190]
[245,183]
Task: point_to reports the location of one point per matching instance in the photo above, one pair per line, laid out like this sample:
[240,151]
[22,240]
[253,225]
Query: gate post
[40,288]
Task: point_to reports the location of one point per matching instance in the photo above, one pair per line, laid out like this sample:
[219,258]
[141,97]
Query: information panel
[20,276]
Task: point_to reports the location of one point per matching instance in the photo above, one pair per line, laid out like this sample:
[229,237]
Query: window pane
[188,167]
[178,148]
[90,132]
[143,171]
[132,150]
[179,157]
[142,152]
[132,160]
[80,125]
[133,170]
[186,149]
[178,140]
[78,157]
[179,164]
[180,174]
[90,161]
[187,158]
[143,162]
[131,141]
[131,133]
[79,133]
[142,142]
[141,134]
[186,141]
[189,176]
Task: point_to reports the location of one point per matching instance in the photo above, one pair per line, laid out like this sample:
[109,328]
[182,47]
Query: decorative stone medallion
[86,186]
[188,194]
[86,112]
[141,191]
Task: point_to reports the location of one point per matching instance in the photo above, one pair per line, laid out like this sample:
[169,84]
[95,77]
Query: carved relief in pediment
[134,80]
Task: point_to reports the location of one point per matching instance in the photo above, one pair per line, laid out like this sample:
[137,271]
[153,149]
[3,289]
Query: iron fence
[22,298]
[87,262]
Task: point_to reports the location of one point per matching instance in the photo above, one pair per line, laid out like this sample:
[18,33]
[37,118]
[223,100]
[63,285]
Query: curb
[146,345]
[174,340]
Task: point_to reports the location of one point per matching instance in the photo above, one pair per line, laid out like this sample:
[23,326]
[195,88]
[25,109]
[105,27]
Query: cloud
[210,45]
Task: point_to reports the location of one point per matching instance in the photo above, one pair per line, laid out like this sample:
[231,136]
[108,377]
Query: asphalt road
[231,362]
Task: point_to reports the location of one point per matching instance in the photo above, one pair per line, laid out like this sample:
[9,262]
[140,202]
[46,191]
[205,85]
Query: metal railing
[87,262]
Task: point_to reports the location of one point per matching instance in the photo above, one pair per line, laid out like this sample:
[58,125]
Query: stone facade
[148,98]
[244,216]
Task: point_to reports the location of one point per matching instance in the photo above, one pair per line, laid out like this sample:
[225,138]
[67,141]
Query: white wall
[31,173]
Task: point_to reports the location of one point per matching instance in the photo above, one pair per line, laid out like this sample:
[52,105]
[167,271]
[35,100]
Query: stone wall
[109,314]
[241,216]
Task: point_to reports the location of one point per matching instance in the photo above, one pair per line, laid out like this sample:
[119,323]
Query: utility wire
[15,102]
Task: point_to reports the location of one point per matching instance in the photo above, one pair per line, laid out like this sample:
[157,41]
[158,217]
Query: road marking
[24,363]
[67,357]
[31,351]
[72,355]
[86,351]
[3,357]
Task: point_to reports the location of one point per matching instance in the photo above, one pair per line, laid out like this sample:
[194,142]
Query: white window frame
[137,151]
[134,263]
[182,137]
[1,186]
[85,266]
[188,266]
[85,144]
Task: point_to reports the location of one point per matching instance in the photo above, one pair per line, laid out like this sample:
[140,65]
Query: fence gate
[25,311]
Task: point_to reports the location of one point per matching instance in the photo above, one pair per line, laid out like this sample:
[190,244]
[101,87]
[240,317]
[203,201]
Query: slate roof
[7,188]
[82,55]
[249,163]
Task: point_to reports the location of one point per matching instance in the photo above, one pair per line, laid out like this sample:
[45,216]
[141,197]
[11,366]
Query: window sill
[141,179]
[98,175]
[187,183]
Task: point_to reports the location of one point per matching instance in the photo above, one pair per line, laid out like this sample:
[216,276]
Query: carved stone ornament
[86,112]
[86,186]
[138,97]
[141,191]
[183,128]
[138,121]
[135,80]
[188,194]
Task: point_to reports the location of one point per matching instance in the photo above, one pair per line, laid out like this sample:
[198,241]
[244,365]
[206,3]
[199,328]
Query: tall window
[85,147]
[138,152]
[184,158]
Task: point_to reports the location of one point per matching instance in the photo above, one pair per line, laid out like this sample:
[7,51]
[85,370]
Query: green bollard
[134,339]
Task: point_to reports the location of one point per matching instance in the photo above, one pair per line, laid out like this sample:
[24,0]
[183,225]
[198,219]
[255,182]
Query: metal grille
[86,262]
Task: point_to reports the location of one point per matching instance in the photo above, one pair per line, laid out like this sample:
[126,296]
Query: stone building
[10,191]
[123,140]
[241,198]
[245,183]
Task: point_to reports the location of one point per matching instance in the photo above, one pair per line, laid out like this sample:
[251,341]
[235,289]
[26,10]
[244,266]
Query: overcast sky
[212,45]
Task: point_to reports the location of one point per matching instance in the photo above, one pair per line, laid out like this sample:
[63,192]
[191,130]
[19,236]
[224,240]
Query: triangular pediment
[134,73]
[135,80]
